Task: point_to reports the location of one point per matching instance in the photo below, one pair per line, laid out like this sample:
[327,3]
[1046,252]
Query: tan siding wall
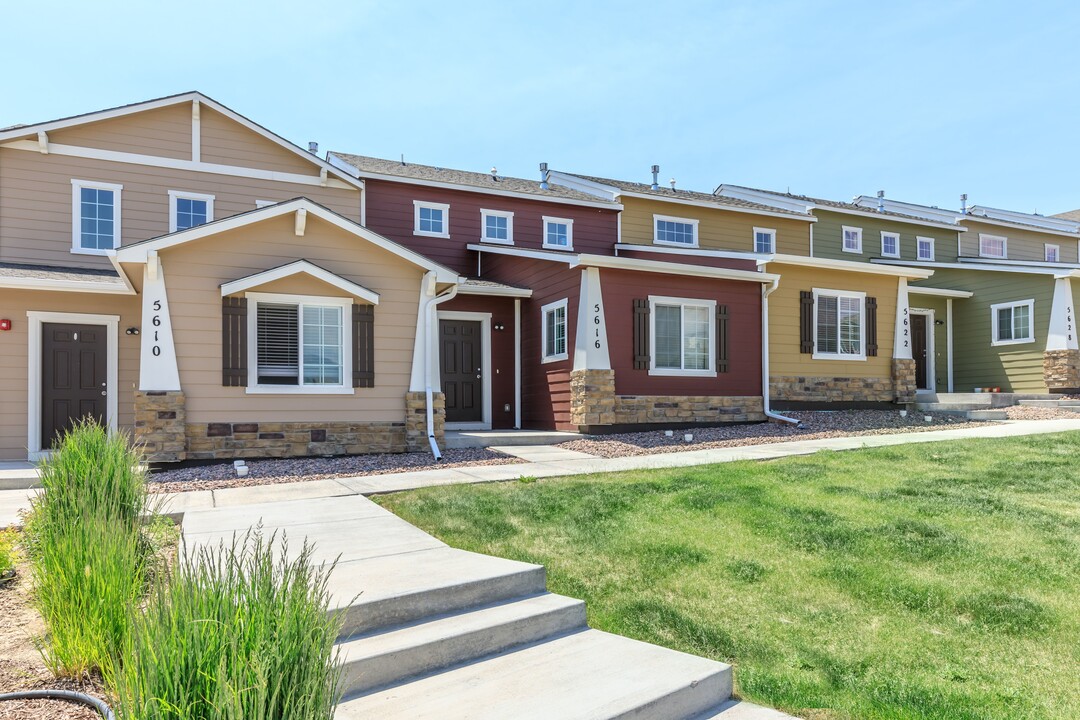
[14,360]
[35,201]
[194,273]
[302,284]
[165,132]
[784,355]
[1022,244]
[717,229]
[230,143]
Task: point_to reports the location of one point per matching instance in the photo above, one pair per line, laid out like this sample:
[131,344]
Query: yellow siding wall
[194,272]
[1021,245]
[784,356]
[717,229]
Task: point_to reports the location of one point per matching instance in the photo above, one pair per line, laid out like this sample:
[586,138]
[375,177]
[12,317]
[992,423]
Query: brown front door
[918,349]
[72,377]
[462,380]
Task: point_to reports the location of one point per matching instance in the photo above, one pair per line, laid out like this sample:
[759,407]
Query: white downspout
[766,291]
[429,315]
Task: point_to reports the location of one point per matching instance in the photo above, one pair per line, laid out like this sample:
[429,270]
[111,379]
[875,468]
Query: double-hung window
[675,231]
[992,246]
[839,325]
[431,219]
[558,233]
[682,336]
[497,226]
[1052,253]
[300,345]
[186,210]
[1012,323]
[95,211]
[852,241]
[553,331]
[890,244]
[764,240]
[924,249]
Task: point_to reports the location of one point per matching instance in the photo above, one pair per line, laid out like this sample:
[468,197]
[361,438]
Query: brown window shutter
[363,346]
[234,370]
[806,321]
[721,338]
[871,327]
[641,334]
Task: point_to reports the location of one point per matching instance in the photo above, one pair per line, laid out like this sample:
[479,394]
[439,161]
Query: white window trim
[886,234]
[484,318]
[861,296]
[1046,252]
[843,239]
[670,218]
[509,226]
[544,357]
[175,195]
[76,215]
[994,342]
[772,239]
[253,387]
[1004,246]
[655,300]
[417,204]
[933,250]
[569,223]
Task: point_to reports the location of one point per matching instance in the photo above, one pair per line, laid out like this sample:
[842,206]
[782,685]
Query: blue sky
[924,100]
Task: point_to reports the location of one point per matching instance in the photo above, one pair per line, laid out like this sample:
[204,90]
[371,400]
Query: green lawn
[936,580]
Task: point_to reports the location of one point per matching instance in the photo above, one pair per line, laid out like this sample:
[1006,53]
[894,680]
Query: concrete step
[18,475]
[392,590]
[396,655]
[957,408]
[742,710]
[457,439]
[1061,404]
[589,674]
[987,415]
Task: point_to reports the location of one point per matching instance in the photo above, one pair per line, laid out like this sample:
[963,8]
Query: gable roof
[139,252]
[48,277]
[1070,215]
[21,131]
[363,166]
[299,267]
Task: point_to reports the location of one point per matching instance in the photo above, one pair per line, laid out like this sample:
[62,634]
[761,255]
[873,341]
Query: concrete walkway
[551,462]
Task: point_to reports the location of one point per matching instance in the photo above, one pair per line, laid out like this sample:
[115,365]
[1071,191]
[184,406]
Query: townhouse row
[176,270]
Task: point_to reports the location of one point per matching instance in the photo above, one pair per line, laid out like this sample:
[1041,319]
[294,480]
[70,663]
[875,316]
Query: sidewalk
[550,462]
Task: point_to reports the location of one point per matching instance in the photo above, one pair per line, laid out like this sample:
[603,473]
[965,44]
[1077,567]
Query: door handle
[104,392]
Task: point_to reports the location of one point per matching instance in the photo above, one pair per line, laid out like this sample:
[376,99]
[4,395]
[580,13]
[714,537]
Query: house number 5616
[596,322]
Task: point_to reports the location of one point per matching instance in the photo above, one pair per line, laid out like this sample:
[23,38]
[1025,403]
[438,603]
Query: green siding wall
[828,237]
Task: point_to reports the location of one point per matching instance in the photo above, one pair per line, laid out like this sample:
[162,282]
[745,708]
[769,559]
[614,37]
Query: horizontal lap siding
[545,386]
[785,358]
[743,299]
[829,234]
[227,142]
[164,131]
[1021,245]
[194,272]
[390,212]
[1016,368]
[717,229]
[14,361]
[502,350]
[941,355]
[690,259]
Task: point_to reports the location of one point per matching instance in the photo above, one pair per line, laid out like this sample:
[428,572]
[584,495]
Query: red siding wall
[502,351]
[390,213]
[621,287]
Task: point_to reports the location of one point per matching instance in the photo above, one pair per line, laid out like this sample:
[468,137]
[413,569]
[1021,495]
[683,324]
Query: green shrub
[235,632]
[7,552]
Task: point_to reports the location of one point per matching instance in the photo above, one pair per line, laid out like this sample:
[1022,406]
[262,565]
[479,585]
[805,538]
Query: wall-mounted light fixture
[499,326]
[132,331]
[5,324]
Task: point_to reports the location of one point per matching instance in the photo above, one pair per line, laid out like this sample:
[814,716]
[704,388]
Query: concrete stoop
[987,406]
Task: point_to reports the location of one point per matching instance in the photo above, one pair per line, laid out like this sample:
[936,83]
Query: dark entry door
[462,382]
[918,349]
[73,377]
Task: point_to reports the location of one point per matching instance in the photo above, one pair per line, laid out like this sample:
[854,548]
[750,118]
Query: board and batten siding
[1013,368]
[194,273]
[718,229]
[1021,244]
[829,237]
[785,357]
[14,361]
[390,212]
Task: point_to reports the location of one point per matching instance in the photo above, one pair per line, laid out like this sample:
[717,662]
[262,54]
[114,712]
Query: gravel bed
[288,470]
[1024,412]
[816,425]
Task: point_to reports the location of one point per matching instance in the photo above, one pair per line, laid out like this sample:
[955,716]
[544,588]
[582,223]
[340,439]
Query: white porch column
[1062,335]
[591,344]
[157,362]
[902,328]
[418,376]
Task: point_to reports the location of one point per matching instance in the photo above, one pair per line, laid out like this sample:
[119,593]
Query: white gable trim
[300,267]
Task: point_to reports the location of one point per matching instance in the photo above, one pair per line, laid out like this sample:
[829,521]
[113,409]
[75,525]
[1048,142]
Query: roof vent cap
[313,147]
[494,174]
[655,177]
[545,174]
[672,181]
[881,201]
[963,204]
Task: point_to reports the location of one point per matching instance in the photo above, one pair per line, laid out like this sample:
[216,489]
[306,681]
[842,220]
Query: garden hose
[66,695]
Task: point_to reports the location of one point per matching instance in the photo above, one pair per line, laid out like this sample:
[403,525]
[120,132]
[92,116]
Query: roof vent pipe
[881,201]
[544,175]
[672,181]
[655,177]
[494,174]
[963,204]
[313,147]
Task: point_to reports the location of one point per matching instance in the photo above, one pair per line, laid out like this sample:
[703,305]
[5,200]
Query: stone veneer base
[1061,370]
[160,420]
[853,391]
